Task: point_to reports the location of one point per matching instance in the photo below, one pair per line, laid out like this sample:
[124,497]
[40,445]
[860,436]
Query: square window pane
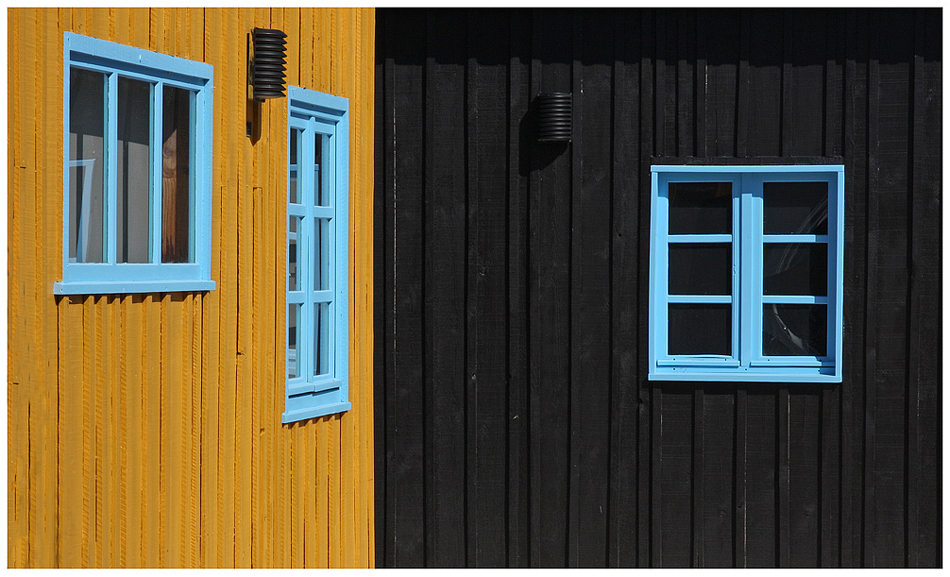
[176,175]
[293,270]
[700,208]
[700,329]
[321,196]
[795,207]
[86,165]
[321,254]
[293,190]
[321,339]
[700,268]
[133,213]
[293,333]
[794,330]
[795,269]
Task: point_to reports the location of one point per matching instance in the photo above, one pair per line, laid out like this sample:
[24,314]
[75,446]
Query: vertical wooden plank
[783,490]
[804,458]
[855,302]
[924,516]
[717,476]
[624,503]
[73,449]
[173,438]
[765,83]
[889,127]
[153,420]
[686,55]
[519,98]
[486,366]
[674,482]
[444,284]
[803,83]
[405,407]
[721,40]
[761,479]
[549,276]
[591,217]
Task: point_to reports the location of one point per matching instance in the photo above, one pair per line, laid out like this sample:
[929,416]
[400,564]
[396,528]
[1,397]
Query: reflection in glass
[321,341]
[293,359]
[293,277]
[86,167]
[134,161]
[321,254]
[700,329]
[794,330]
[700,208]
[795,207]
[176,175]
[320,197]
[700,268]
[795,269]
[293,191]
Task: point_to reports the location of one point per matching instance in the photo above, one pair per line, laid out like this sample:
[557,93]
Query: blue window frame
[746,273]
[137,170]
[317,228]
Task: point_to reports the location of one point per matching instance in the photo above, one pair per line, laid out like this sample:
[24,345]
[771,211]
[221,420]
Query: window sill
[132,287]
[799,375]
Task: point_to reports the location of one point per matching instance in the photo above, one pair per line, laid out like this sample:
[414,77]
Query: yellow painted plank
[175,386]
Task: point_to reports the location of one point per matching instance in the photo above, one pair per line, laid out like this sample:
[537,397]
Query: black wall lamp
[267,61]
[554,116]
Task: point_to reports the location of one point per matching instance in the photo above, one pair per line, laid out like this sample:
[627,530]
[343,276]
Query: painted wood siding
[144,430]
[515,423]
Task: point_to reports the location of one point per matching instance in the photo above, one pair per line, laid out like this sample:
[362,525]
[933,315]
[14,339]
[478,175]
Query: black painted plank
[549,297]
[676,476]
[855,283]
[406,411]
[590,289]
[783,473]
[486,358]
[718,476]
[889,123]
[765,83]
[760,538]
[804,458]
[721,42]
[626,451]
[803,82]
[924,511]
[519,95]
[444,277]
[685,82]
[380,284]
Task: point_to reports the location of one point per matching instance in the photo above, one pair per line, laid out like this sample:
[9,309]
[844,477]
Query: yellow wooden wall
[144,430]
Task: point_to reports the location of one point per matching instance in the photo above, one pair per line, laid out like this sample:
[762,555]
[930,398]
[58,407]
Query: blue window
[317,303]
[137,170]
[746,273]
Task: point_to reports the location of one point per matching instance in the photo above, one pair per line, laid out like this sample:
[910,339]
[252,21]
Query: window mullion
[156,126]
[110,227]
[304,240]
[750,250]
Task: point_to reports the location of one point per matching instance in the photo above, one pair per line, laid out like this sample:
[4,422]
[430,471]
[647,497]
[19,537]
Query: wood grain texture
[144,430]
[604,468]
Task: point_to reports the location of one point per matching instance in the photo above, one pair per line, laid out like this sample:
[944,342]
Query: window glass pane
[700,329]
[794,330]
[795,269]
[321,339]
[86,167]
[293,358]
[701,268]
[293,276]
[293,191]
[134,160]
[176,175]
[700,208]
[795,207]
[321,254]
[320,193]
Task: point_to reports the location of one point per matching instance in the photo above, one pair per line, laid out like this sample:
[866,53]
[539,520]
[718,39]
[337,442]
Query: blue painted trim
[747,362]
[314,113]
[159,70]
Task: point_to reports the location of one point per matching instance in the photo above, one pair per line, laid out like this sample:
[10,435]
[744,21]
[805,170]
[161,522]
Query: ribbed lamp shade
[269,63]
[554,117]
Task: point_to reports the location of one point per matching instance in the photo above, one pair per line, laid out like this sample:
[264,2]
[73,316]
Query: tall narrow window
[316,284]
[137,203]
[746,273]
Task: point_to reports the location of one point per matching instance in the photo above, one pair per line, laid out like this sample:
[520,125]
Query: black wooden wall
[515,425]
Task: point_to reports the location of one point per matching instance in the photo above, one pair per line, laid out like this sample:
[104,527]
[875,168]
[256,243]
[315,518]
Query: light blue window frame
[746,361]
[311,392]
[159,70]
